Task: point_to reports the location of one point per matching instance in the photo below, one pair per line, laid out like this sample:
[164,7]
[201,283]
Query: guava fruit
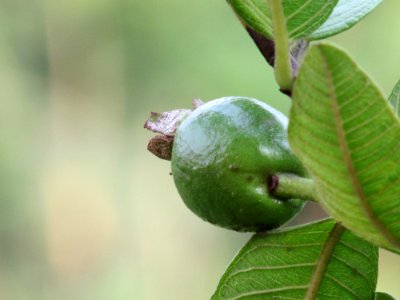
[225,154]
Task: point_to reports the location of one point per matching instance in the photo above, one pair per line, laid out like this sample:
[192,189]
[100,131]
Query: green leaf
[302,16]
[383,296]
[286,264]
[394,98]
[346,14]
[347,136]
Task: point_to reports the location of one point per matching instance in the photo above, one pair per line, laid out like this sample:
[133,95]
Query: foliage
[281,264]
[343,128]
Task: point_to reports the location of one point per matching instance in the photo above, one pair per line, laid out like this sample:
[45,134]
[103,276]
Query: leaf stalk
[283,68]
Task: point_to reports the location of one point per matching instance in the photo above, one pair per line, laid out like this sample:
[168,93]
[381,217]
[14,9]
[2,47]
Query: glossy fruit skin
[223,154]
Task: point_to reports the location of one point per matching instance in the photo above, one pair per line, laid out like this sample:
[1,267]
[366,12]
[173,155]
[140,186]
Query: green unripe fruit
[224,153]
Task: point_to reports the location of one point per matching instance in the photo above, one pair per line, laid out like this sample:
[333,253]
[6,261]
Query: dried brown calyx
[166,124]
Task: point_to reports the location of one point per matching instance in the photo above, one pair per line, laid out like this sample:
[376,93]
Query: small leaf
[255,13]
[394,98]
[346,14]
[302,16]
[383,296]
[347,136]
[283,264]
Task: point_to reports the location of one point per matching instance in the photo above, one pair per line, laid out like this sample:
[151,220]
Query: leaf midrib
[347,157]
[334,237]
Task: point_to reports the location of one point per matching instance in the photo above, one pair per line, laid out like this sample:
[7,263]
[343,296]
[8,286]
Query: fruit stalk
[290,186]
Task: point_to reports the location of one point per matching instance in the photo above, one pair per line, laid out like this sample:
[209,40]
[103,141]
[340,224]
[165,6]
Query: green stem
[283,68]
[334,237]
[292,187]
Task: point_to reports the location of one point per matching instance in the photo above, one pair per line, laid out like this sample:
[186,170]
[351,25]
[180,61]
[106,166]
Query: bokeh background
[85,211]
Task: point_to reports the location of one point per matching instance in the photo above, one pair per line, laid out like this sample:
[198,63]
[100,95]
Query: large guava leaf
[383,296]
[348,137]
[302,16]
[321,260]
[346,14]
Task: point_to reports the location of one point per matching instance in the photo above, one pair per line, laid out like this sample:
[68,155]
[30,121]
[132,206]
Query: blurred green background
[85,211]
